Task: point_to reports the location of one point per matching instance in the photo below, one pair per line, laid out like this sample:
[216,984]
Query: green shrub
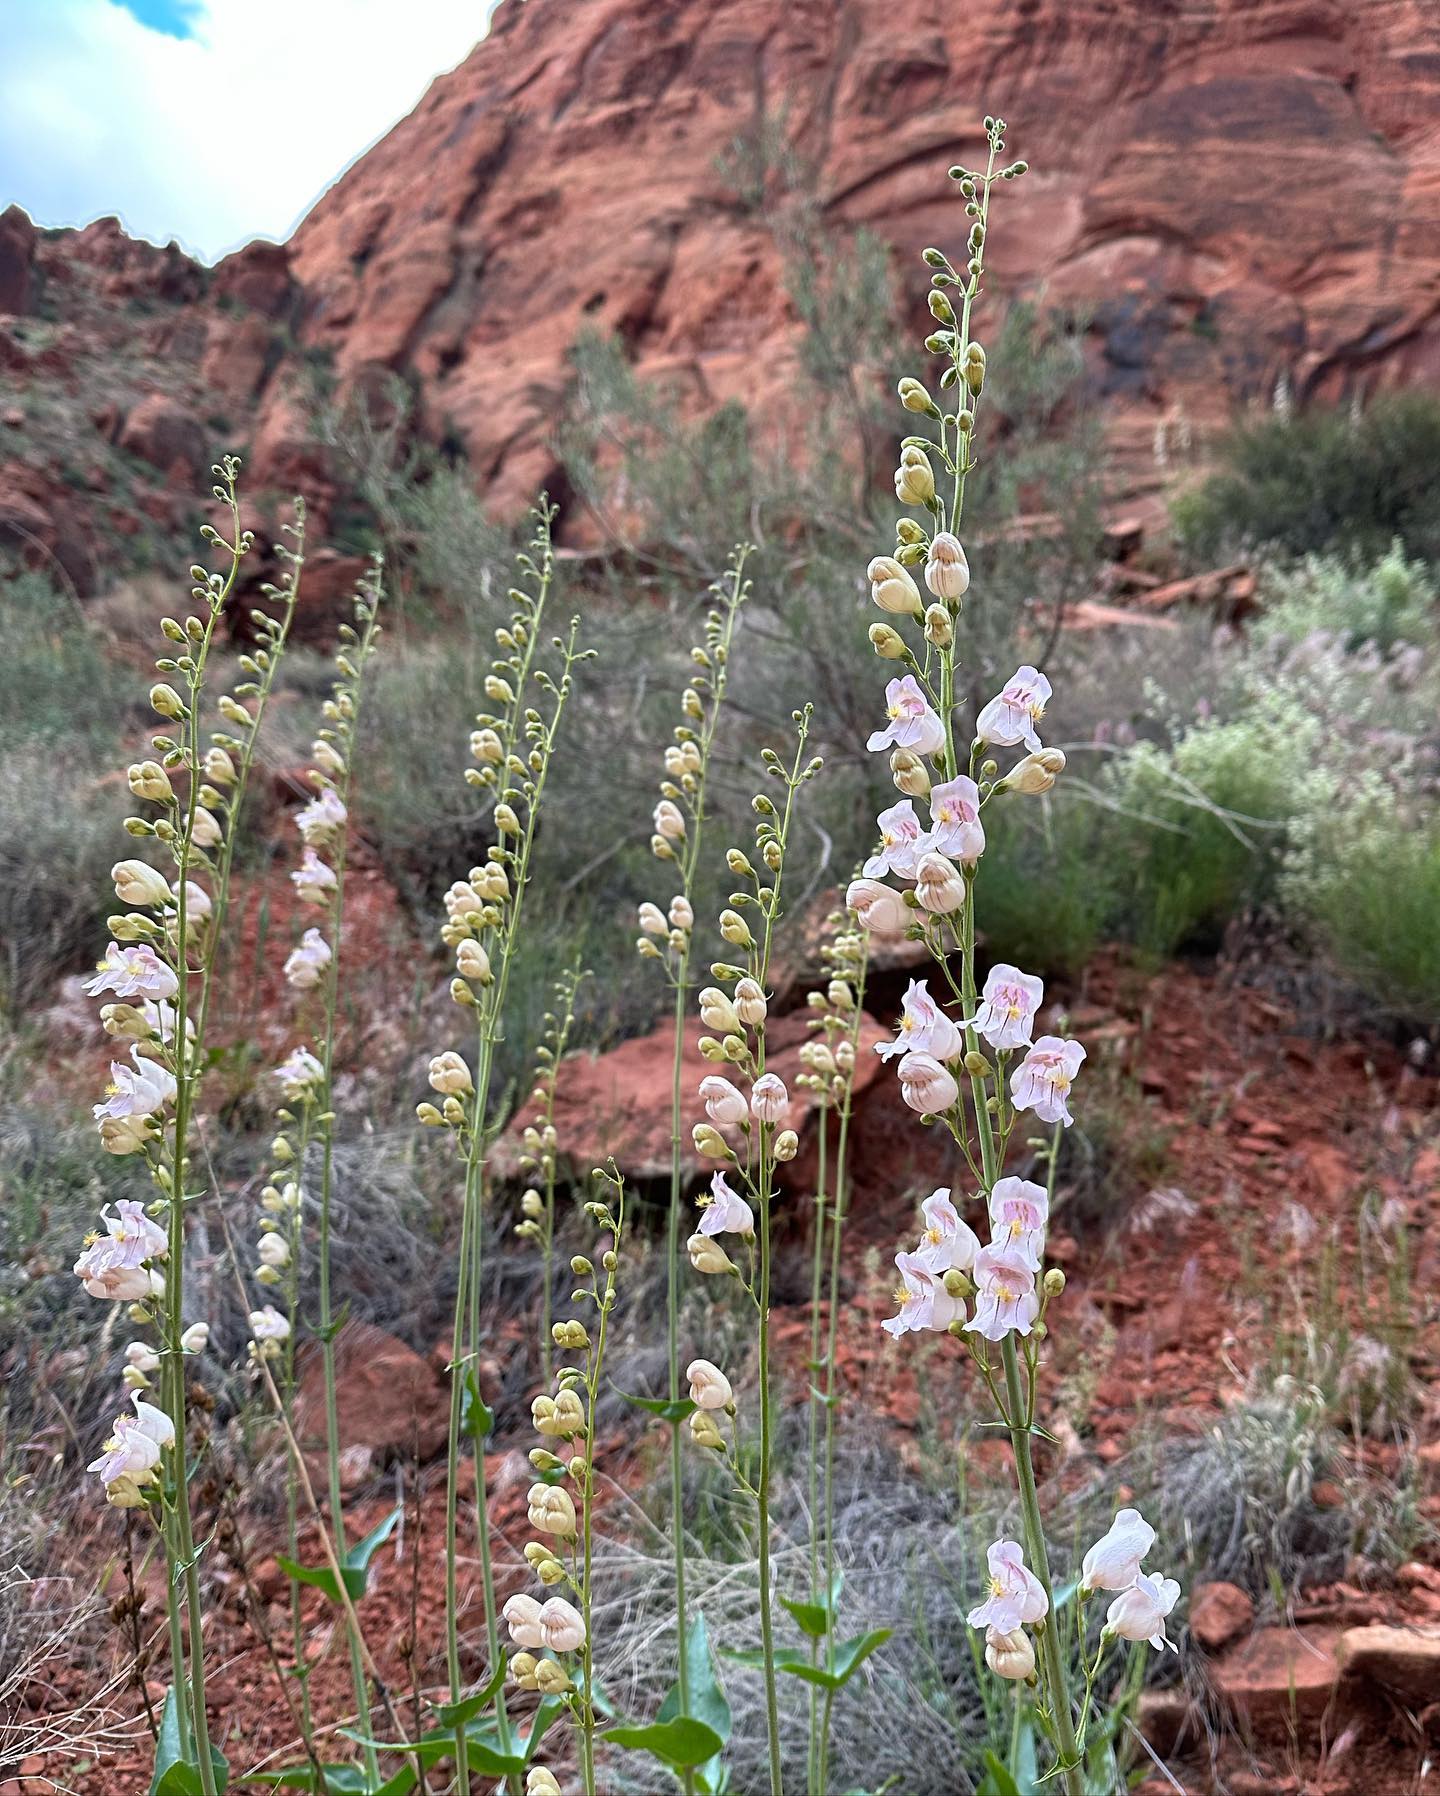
[1322,479]
[56,681]
[1390,602]
[1044,893]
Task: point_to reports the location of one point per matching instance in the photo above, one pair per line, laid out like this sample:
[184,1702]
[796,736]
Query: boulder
[1219,1613]
[1277,1676]
[1404,1661]
[391,1402]
[169,437]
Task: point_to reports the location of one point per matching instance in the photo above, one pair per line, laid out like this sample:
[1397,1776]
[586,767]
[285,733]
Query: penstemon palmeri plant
[561,1505]
[829,1058]
[163,955]
[665,936]
[541,1144]
[307,1079]
[739,1044]
[940,1057]
[513,745]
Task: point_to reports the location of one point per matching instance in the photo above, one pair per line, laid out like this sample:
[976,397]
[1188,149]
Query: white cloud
[229,133]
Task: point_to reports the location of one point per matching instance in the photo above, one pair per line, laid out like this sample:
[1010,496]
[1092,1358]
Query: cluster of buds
[675,833]
[550,1631]
[828,1056]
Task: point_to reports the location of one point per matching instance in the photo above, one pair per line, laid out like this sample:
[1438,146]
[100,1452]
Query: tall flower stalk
[512,745]
[739,1019]
[941,1058]
[163,954]
[540,1158]
[665,936]
[830,1061]
[561,1506]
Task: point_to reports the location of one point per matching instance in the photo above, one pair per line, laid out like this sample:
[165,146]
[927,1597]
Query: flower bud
[472,962]
[735,930]
[709,1387]
[682,913]
[750,1003]
[450,1076]
[138,883]
[915,399]
[540,1782]
[769,1100]
[938,628]
[974,369]
[892,589]
[148,779]
[787,1145]
[551,1678]
[888,643]
[717,1012]
[939,885]
[910,774]
[947,573]
[707,1255]
[522,1669]
[1036,773]
[196,1338]
[1054,1282]
[669,821]
[879,908]
[709,1142]
[486,747]
[1010,1655]
[704,1432]
[165,701]
[532,1205]
[914,478]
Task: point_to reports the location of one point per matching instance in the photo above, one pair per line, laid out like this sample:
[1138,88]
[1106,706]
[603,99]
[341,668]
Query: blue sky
[212,121]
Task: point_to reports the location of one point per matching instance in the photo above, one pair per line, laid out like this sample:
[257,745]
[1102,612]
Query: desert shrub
[1390,601]
[1319,479]
[1047,897]
[58,835]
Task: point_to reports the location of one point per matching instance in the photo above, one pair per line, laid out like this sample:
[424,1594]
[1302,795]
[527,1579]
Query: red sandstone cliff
[1231,188]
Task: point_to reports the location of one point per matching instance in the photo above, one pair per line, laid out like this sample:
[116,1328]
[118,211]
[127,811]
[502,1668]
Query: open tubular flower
[322,819]
[115,1264]
[133,971]
[1043,1079]
[923,1028]
[1011,716]
[1006,1014]
[1019,1209]
[1113,1563]
[1013,1594]
[948,1244]
[1139,1612]
[1006,1301]
[725,1211]
[308,961]
[901,840]
[913,724]
[924,1302]
[313,880]
[955,827]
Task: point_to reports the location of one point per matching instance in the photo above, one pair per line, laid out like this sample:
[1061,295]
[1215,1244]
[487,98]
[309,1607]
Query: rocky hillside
[1231,189]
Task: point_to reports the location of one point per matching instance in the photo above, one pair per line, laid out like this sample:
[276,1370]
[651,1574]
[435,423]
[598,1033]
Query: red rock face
[1229,189]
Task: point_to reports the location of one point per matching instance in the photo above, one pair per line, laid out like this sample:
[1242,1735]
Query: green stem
[762,1498]
[817,1274]
[672,1333]
[1057,1687]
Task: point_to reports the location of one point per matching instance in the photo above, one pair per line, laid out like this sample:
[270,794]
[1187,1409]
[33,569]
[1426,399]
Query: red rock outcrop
[1229,190]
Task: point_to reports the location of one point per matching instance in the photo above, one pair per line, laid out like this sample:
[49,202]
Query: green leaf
[846,1660]
[669,1409]
[455,1714]
[354,1566]
[176,1775]
[340,1780]
[813,1618]
[476,1419]
[708,1702]
[998,1781]
[684,1741]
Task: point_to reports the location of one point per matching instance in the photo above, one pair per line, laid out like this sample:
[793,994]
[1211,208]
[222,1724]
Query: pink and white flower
[1043,1079]
[133,971]
[879,909]
[308,961]
[724,1104]
[926,1086]
[726,1212]
[299,1074]
[900,837]
[1011,716]
[912,724]
[1113,1563]
[133,1452]
[955,826]
[1013,1594]
[562,1627]
[1019,1210]
[924,1302]
[314,881]
[949,1243]
[769,1100]
[114,1264]
[923,1028]
[143,1089]
[521,1615]
[1139,1612]
[1008,1004]
[1006,1301]
[322,819]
